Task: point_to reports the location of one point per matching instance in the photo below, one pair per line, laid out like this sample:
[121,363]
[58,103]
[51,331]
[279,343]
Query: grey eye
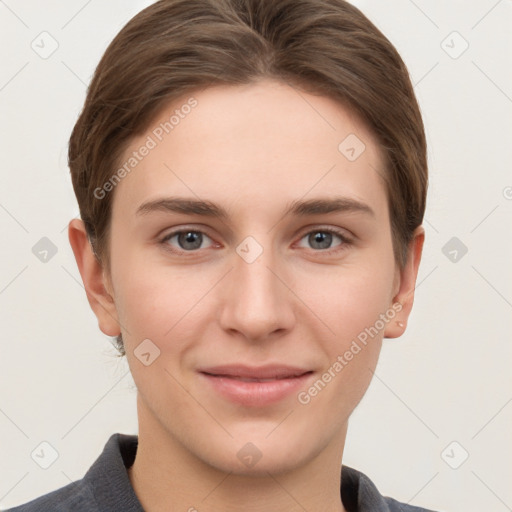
[188,240]
[322,238]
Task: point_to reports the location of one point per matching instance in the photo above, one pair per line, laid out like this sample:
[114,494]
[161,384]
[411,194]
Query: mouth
[261,373]
[247,379]
[255,386]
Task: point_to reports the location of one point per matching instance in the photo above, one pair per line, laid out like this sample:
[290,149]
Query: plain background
[441,391]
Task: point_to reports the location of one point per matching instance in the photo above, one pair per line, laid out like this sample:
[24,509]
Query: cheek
[352,311]
[155,302]
[346,299]
[162,307]
[352,304]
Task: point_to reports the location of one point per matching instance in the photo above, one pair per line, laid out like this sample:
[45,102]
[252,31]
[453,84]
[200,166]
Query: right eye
[188,240]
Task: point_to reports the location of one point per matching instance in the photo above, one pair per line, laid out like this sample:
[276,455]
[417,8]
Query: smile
[255,387]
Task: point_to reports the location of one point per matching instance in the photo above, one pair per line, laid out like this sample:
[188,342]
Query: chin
[260,456]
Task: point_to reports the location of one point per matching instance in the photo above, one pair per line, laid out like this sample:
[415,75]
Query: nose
[257,301]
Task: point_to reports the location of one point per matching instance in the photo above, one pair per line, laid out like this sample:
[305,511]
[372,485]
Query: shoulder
[75,496]
[398,506]
[104,483]
[105,486]
[360,494]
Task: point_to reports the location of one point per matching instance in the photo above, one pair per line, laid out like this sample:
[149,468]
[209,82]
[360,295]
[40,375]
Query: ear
[405,283]
[97,286]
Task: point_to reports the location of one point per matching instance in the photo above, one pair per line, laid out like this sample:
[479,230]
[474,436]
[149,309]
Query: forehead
[242,144]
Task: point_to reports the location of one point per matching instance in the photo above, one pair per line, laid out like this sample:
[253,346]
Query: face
[281,287]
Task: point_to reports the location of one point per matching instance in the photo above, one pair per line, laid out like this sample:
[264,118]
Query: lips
[255,386]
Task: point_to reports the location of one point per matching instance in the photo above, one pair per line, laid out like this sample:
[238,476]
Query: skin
[251,149]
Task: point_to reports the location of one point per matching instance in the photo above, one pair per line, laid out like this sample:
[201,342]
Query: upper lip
[271,371]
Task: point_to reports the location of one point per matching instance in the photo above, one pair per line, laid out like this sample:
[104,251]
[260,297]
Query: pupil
[193,238]
[324,239]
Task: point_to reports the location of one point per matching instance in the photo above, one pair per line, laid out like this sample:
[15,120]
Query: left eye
[322,238]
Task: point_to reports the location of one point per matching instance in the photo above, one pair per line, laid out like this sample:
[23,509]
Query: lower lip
[256,394]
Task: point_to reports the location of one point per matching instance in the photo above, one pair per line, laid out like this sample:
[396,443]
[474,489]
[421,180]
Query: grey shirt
[107,488]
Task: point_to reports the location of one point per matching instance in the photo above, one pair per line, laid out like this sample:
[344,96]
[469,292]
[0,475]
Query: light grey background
[448,379]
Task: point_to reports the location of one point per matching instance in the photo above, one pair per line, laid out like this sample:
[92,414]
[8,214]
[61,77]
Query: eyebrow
[298,208]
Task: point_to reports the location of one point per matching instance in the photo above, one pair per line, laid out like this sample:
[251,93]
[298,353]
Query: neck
[166,476]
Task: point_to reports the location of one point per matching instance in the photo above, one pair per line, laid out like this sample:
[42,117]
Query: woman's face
[282,284]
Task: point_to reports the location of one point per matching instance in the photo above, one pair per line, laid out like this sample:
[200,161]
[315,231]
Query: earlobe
[95,282]
[407,284]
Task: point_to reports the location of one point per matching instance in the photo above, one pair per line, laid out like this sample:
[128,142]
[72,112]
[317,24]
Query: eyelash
[346,242]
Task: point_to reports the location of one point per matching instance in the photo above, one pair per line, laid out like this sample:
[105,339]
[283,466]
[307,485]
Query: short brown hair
[174,47]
